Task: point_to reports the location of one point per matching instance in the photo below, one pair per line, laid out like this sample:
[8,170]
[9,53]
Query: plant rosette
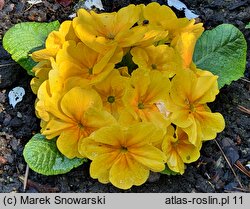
[127,90]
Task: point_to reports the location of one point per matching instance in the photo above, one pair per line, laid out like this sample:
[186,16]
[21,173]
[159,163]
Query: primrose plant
[127,90]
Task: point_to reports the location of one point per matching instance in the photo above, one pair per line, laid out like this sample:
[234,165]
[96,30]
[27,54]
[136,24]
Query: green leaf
[248,26]
[43,157]
[168,171]
[223,52]
[24,38]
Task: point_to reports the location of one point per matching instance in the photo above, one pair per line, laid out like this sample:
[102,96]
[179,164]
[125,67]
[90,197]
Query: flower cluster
[121,90]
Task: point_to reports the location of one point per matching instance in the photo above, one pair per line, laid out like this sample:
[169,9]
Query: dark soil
[211,173]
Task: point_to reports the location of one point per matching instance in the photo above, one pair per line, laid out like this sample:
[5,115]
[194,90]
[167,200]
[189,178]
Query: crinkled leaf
[24,38]
[43,157]
[248,26]
[223,52]
[168,171]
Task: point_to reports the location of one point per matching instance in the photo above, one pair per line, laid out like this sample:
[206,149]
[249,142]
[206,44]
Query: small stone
[7,120]
[9,8]
[14,144]
[16,122]
[9,158]
[154,177]
[19,115]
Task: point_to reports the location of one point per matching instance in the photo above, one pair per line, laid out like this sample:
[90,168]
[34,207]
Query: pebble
[9,157]
[9,8]
[14,143]
[7,120]
[16,122]
[19,115]
[154,177]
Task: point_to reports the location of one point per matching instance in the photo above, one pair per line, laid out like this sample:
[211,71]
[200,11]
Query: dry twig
[8,64]
[243,109]
[245,79]
[229,164]
[26,177]
[242,168]
[39,187]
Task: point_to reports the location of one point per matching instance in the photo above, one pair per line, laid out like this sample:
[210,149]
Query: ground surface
[211,173]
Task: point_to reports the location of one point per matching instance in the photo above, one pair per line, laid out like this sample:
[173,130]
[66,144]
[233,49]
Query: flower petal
[100,166]
[55,127]
[111,135]
[182,87]
[126,172]
[92,149]
[140,134]
[149,156]
[78,100]
[194,133]
[188,152]
[175,162]
[140,80]
[67,143]
[185,46]
[94,118]
[211,124]
[181,118]
[206,93]
[158,88]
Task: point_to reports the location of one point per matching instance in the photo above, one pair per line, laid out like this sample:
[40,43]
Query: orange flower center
[80,126]
[124,149]
[191,106]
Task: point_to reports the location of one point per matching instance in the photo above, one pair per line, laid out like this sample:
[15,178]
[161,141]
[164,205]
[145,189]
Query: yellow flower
[77,115]
[187,104]
[78,59]
[167,20]
[55,41]
[53,89]
[123,156]
[161,57]
[145,91]
[100,31]
[51,92]
[179,150]
[111,91]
